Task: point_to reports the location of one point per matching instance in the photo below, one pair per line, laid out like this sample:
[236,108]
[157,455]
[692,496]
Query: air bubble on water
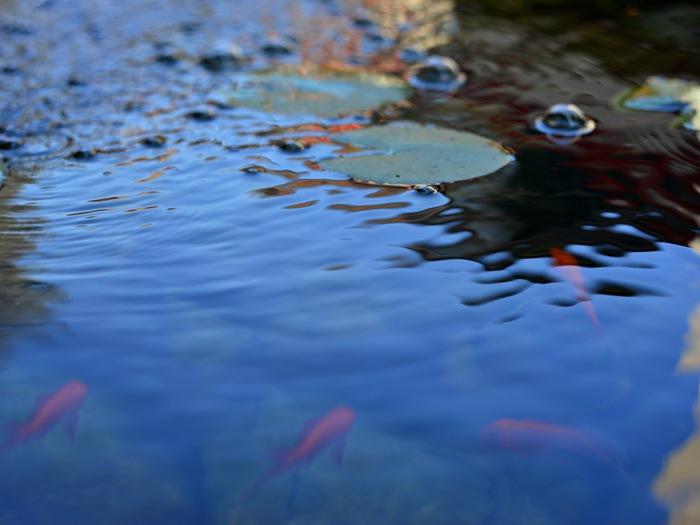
[291,146]
[7,142]
[278,46]
[252,170]
[436,73]
[155,141]
[361,18]
[425,189]
[563,121]
[225,55]
[203,115]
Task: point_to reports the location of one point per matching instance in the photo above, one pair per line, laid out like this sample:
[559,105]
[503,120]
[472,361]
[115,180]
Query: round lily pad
[314,93]
[690,115]
[409,154]
[658,93]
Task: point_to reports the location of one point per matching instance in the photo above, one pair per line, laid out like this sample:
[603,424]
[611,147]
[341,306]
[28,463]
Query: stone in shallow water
[314,93]
[413,154]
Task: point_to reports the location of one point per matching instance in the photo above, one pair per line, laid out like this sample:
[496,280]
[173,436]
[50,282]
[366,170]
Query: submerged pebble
[278,46]
[224,56]
[436,73]
[563,120]
[361,18]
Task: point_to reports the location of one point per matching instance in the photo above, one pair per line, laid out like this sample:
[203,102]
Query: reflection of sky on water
[213,308]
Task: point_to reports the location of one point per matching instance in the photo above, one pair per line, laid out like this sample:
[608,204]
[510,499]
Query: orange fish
[571,271]
[538,436]
[329,430]
[63,404]
[526,436]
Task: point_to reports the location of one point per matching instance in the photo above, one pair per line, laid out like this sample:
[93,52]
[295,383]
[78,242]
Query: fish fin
[71,425]
[337,451]
[262,480]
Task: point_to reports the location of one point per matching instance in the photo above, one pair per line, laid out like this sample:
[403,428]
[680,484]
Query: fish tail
[259,483]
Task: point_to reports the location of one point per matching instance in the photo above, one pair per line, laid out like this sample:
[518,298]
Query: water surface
[216,292]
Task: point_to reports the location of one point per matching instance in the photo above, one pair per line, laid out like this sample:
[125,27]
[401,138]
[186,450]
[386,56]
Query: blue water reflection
[509,346]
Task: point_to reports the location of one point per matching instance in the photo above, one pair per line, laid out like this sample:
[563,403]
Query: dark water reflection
[215,290]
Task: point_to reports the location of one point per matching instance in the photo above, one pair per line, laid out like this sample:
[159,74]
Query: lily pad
[690,115]
[314,93]
[658,93]
[411,154]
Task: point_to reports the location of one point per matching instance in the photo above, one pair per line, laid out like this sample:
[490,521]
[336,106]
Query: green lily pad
[690,115]
[415,154]
[314,93]
[658,93]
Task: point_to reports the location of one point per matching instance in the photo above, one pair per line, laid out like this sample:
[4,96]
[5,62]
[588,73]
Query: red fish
[63,404]
[571,271]
[329,430]
[538,436]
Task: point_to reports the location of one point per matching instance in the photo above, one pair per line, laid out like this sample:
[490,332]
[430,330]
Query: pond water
[521,348]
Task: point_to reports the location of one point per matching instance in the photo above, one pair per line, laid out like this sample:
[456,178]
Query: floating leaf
[690,115]
[658,93]
[315,93]
[414,154]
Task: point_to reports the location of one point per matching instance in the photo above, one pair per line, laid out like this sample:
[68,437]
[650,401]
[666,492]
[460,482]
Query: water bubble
[166,60]
[201,115]
[252,170]
[7,142]
[290,146]
[436,73]
[278,46]
[224,56]
[82,154]
[153,142]
[361,18]
[425,189]
[563,120]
